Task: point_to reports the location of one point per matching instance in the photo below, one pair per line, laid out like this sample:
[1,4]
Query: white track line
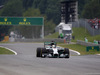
[10,50]
[73,51]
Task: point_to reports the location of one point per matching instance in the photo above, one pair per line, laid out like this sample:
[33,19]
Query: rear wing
[49,43]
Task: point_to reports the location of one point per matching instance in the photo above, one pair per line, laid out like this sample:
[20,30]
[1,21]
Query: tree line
[30,8]
[49,9]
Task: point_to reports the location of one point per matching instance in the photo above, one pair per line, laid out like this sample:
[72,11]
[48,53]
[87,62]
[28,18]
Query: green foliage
[40,4]
[81,5]
[12,8]
[27,4]
[32,8]
[25,30]
[51,8]
[49,27]
[30,31]
[31,12]
[4,30]
[92,10]
[2,2]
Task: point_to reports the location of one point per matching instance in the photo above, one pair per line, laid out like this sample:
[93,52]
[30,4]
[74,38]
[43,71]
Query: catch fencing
[84,23]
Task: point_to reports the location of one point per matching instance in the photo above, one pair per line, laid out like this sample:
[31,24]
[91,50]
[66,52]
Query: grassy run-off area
[80,48]
[80,34]
[5,51]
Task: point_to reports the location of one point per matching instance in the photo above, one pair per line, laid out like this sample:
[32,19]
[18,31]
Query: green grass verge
[79,33]
[80,48]
[54,35]
[5,51]
[92,38]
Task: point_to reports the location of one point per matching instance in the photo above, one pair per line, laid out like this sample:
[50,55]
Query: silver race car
[52,51]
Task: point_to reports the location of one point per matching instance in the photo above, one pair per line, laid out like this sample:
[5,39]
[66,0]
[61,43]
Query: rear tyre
[67,53]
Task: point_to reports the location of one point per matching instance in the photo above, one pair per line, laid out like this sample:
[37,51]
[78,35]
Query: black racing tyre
[66,51]
[40,51]
[38,54]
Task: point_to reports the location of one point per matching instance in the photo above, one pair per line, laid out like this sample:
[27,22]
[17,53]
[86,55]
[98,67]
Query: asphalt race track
[26,63]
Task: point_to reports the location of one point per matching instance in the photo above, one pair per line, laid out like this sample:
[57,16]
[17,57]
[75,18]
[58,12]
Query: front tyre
[67,53]
[38,52]
[43,52]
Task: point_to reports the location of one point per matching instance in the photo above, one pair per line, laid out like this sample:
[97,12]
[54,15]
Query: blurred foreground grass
[5,51]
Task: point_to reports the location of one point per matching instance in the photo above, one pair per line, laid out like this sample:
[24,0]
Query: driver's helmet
[53,46]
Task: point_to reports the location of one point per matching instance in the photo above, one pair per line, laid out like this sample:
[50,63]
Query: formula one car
[52,51]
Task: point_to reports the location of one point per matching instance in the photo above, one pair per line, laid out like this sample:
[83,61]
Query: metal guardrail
[87,43]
